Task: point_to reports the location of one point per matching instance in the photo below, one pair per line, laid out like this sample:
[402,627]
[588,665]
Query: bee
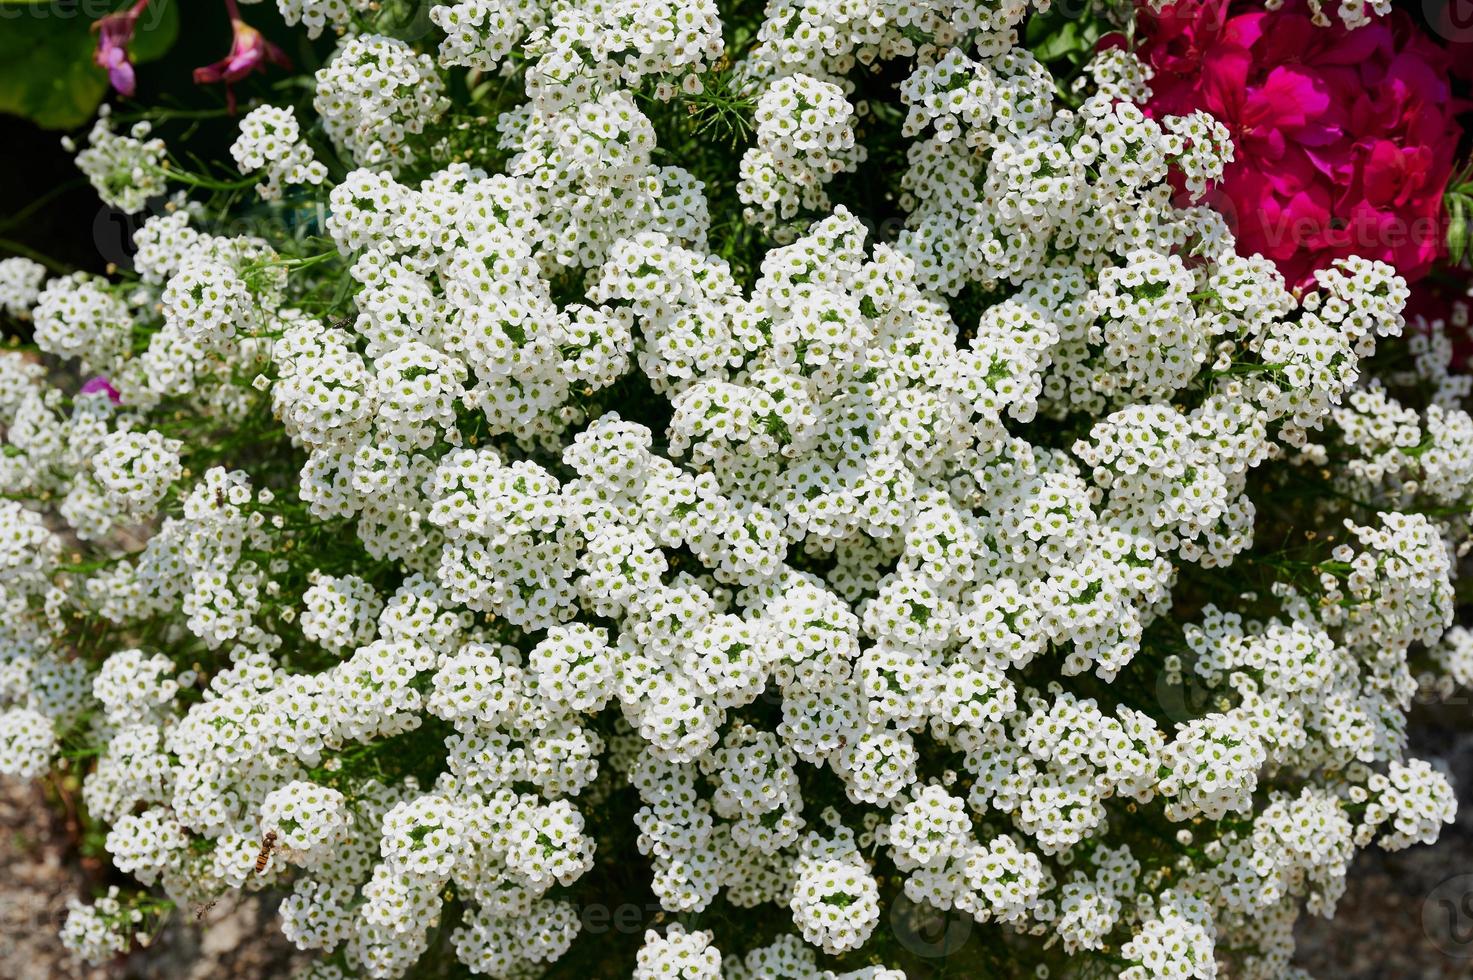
[268,844]
[199,913]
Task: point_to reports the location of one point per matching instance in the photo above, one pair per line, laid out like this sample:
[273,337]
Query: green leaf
[158,29]
[47,72]
[1061,36]
[1060,43]
[46,68]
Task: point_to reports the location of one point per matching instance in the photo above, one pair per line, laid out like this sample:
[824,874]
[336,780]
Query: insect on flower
[268,844]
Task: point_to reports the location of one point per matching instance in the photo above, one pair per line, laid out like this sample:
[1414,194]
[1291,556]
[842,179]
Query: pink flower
[1344,140]
[249,52]
[114,34]
[103,385]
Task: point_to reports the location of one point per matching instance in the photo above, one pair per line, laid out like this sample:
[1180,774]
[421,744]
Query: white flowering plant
[772,465]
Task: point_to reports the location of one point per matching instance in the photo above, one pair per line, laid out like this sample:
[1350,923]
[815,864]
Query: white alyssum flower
[375,96]
[136,469]
[270,141]
[20,284]
[830,560]
[127,170]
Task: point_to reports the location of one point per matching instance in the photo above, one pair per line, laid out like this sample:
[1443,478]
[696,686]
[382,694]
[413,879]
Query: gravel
[1407,915]
[42,870]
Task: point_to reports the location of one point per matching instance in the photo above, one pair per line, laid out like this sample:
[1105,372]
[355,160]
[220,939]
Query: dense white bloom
[573,483]
[136,469]
[340,613]
[126,170]
[99,931]
[375,96]
[270,140]
[835,899]
[1174,944]
[77,316]
[131,686]
[804,136]
[28,743]
[307,821]
[314,15]
[1416,799]
[20,284]
[687,955]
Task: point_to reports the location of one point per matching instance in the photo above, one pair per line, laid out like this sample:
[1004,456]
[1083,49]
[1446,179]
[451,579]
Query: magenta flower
[1344,139]
[249,52]
[103,385]
[114,34]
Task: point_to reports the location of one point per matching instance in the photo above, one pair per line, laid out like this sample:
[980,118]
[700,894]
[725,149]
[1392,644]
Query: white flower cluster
[689,956]
[542,519]
[127,171]
[580,50]
[20,284]
[314,15]
[78,317]
[207,300]
[375,97]
[136,469]
[270,140]
[100,931]
[805,135]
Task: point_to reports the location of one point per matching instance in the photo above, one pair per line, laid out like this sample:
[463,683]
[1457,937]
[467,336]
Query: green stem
[10,245]
[184,177]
